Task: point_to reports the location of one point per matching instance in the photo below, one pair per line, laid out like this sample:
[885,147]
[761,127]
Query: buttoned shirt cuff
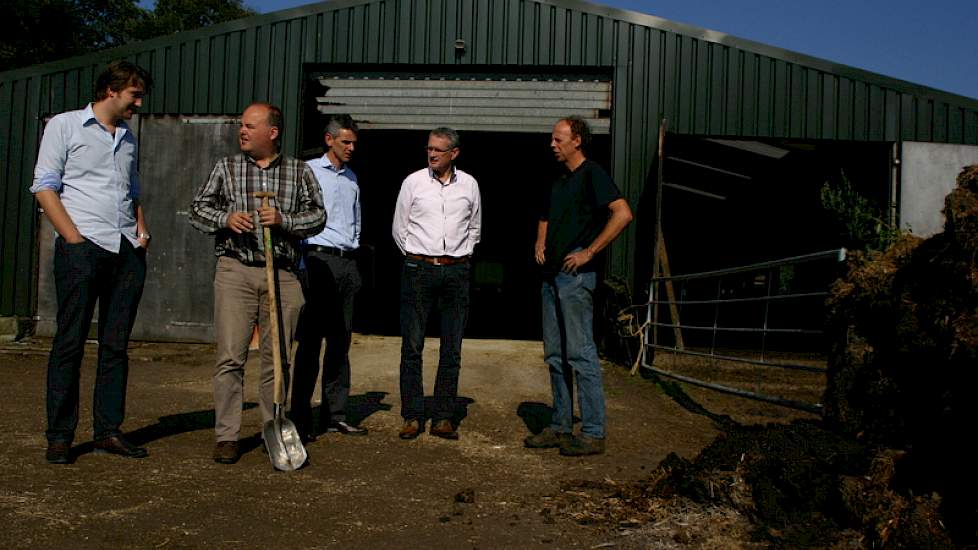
[222,221]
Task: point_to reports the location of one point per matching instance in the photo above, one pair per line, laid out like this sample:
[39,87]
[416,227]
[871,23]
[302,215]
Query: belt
[329,250]
[439,260]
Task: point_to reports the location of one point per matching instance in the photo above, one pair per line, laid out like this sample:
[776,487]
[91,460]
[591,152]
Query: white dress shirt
[438,219]
[95,174]
[341,194]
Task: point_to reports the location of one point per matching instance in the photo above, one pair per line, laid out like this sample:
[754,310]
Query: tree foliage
[859,221]
[38,31]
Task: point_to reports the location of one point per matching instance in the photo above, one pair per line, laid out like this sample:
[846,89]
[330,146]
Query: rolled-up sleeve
[51,158]
[208,212]
[309,217]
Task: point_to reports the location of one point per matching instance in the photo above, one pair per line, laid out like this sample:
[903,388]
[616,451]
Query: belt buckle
[435,261]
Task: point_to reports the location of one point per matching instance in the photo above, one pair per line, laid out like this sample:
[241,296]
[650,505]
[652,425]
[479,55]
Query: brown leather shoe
[411,429]
[117,445]
[444,430]
[547,439]
[59,452]
[226,452]
[582,445]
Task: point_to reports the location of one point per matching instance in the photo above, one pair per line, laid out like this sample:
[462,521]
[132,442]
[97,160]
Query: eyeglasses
[431,149]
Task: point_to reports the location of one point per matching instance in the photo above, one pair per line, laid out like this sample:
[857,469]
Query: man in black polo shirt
[583,213]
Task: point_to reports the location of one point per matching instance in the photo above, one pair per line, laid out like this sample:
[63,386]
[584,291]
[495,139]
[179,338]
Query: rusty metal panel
[176,156]
[501,103]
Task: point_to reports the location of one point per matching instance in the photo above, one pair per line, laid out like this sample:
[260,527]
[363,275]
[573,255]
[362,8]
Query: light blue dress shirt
[95,174]
[341,193]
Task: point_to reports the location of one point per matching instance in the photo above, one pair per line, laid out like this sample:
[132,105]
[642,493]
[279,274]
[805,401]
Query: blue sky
[932,43]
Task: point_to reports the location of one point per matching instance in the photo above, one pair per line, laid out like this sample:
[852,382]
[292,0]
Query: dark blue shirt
[576,210]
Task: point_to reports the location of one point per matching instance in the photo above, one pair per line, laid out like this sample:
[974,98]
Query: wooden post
[670,291]
[654,314]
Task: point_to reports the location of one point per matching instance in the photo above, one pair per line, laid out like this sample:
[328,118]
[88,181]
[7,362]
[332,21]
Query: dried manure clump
[902,369]
[890,464]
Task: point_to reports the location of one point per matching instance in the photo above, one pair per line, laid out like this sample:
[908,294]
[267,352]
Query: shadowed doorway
[512,170]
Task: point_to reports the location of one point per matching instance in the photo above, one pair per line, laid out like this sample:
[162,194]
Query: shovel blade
[275,446]
[294,449]
[285,449]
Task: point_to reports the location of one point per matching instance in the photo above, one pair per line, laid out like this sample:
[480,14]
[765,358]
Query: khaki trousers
[240,301]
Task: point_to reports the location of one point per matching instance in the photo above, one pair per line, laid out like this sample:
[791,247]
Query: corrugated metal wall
[704,82]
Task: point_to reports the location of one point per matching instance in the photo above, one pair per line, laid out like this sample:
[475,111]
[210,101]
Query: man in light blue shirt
[87,183]
[331,283]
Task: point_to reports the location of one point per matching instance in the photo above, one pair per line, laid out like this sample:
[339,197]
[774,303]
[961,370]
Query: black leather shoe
[346,429]
[117,445]
[444,430]
[59,452]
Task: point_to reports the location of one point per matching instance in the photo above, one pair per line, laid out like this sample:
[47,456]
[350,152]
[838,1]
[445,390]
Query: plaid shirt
[231,187]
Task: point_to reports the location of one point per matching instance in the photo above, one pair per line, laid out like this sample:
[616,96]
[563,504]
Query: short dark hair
[579,128]
[340,122]
[275,119]
[446,132]
[118,76]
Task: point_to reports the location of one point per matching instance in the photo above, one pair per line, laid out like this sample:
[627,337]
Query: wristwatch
[146,236]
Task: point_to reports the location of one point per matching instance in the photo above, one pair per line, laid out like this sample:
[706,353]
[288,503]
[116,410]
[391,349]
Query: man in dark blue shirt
[583,213]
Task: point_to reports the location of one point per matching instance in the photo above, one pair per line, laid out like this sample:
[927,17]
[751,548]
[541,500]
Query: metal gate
[740,303]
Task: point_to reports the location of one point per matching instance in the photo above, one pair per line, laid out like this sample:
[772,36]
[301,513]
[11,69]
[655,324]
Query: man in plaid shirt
[227,208]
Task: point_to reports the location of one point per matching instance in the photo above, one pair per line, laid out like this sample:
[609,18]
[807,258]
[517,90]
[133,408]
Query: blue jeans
[569,350]
[423,285]
[83,274]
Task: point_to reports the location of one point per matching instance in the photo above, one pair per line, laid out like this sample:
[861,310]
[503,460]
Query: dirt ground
[484,491]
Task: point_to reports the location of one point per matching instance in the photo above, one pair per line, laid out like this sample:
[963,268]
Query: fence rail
[723,298]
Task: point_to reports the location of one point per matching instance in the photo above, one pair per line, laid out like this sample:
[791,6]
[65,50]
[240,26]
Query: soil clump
[887,466]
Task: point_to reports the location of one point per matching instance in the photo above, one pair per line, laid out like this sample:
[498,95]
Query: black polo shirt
[576,210]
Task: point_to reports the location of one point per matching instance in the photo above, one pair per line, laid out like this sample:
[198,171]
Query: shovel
[281,437]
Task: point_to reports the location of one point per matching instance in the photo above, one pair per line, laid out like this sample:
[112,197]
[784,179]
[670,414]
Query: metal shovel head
[285,449]
[293,445]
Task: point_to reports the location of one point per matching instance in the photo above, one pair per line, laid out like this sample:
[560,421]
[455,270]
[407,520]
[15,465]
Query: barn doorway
[513,169]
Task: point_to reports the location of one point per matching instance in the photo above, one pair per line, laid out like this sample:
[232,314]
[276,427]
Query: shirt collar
[431,174]
[275,161]
[88,117]
[328,164]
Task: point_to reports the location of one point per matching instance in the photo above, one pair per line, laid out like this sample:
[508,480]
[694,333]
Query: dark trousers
[331,284]
[83,274]
[447,288]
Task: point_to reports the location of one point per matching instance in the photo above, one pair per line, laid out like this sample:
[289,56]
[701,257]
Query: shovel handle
[272,301]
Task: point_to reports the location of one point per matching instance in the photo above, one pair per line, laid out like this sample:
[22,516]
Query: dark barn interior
[512,170]
[728,203]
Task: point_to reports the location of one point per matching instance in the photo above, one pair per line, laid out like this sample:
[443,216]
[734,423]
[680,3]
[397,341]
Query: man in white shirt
[437,223]
[88,185]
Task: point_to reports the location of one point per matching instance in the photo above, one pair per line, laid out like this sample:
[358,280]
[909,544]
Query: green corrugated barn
[752,131]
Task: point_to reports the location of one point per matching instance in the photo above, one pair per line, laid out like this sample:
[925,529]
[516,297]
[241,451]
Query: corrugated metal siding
[704,82]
